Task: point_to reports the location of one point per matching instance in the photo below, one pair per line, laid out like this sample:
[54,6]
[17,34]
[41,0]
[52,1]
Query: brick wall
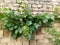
[37,6]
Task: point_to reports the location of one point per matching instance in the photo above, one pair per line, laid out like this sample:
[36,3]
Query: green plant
[22,22]
[55,35]
[56,13]
[25,24]
[56,10]
[46,18]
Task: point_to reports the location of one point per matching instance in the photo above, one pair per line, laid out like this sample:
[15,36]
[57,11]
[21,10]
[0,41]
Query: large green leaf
[5,10]
[29,23]
[36,25]
[1,16]
[29,36]
[45,20]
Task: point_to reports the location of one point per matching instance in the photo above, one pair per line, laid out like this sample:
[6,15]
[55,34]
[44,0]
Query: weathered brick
[40,6]
[45,3]
[39,36]
[7,1]
[47,0]
[42,44]
[1,33]
[36,2]
[13,1]
[9,4]
[58,0]
[5,40]
[51,43]
[25,41]
[34,6]
[31,2]
[13,8]
[6,33]
[55,3]
[1,1]
[8,40]
[56,24]
[10,1]
[11,43]
[2,4]
[12,39]
[42,41]
[33,42]
[15,5]
[35,9]
[19,41]
[46,41]
[3,43]
[43,31]
[34,12]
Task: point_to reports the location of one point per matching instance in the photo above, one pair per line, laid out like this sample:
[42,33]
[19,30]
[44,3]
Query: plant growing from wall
[56,13]
[22,22]
[55,35]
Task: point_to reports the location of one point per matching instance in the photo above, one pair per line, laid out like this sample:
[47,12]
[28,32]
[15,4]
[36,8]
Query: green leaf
[45,20]
[29,23]
[36,25]
[5,10]
[24,15]
[25,27]
[15,27]
[14,35]
[29,37]
[1,16]
[8,25]
[20,30]
[11,28]
[16,31]
[32,28]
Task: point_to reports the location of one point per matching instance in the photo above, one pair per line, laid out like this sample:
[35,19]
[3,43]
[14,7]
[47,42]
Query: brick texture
[37,6]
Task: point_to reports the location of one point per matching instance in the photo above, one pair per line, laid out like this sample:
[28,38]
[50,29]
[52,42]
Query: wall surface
[37,6]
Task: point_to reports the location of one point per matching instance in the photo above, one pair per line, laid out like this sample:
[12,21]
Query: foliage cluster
[55,35]
[22,23]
